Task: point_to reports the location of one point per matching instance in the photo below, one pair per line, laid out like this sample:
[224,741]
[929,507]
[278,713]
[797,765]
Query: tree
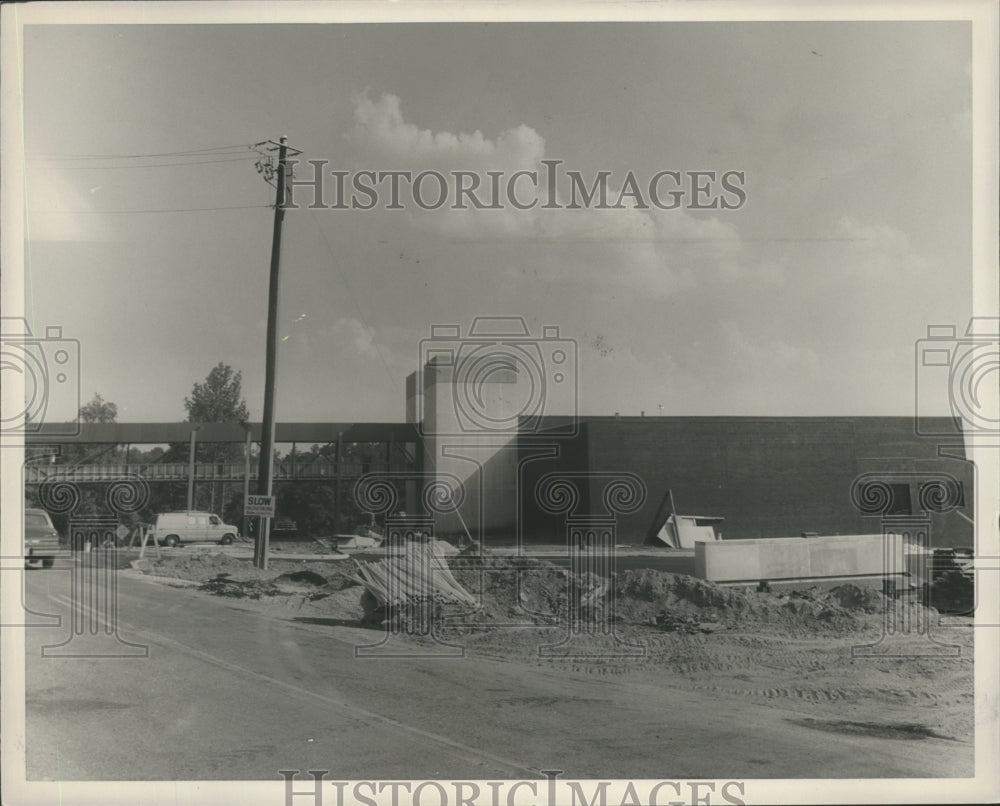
[99,410]
[92,495]
[218,399]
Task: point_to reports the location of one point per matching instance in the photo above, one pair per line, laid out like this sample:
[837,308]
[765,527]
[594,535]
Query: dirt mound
[222,585]
[637,590]
[665,599]
[197,567]
[855,597]
[304,584]
[344,604]
[524,588]
[301,582]
[520,587]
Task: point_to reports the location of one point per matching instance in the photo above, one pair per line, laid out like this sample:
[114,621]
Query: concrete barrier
[778,558]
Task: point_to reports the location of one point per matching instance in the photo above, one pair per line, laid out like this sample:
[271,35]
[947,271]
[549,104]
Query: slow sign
[260,506]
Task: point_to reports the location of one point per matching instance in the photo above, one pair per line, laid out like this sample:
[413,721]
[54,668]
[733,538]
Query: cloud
[356,337]
[59,210]
[650,251]
[380,126]
[767,359]
[841,255]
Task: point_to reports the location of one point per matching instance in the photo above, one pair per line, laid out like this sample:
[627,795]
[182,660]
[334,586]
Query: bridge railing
[204,471]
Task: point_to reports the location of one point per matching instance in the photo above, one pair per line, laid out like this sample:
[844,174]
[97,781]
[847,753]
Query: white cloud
[767,359]
[356,336]
[59,210]
[650,251]
[381,127]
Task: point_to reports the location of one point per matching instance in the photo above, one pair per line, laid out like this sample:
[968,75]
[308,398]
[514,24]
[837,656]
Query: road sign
[260,506]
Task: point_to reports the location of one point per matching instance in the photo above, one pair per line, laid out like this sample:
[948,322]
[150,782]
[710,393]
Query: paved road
[231,694]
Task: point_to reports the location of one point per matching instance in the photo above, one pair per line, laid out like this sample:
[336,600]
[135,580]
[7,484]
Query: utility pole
[267,435]
[246,478]
[190,501]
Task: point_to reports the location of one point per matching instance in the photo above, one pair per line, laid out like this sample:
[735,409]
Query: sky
[854,140]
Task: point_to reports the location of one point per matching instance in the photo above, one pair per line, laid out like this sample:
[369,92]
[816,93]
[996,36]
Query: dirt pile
[197,567]
[856,597]
[656,597]
[519,587]
[529,591]
[334,596]
[223,575]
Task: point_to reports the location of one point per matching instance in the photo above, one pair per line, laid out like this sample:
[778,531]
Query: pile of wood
[412,572]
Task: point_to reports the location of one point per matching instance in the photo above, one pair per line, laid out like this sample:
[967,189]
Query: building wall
[483,461]
[768,476]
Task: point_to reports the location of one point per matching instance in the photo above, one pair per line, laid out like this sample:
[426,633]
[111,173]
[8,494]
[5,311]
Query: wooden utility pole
[190,499]
[267,435]
[336,485]
[246,480]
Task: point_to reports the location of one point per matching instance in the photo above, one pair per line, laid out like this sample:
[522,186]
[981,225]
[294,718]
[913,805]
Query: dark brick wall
[768,476]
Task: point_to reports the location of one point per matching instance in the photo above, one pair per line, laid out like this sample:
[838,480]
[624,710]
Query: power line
[169,210]
[155,164]
[235,148]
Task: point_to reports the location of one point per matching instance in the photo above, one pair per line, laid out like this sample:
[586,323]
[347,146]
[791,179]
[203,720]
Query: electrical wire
[235,148]
[154,164]
[169,210]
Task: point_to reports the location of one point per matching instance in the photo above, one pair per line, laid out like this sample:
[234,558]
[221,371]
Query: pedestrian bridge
[216,471]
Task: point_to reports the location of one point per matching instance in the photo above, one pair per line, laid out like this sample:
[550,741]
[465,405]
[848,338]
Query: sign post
[260,506]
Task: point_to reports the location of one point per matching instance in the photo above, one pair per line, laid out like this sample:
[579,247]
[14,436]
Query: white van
[172,528]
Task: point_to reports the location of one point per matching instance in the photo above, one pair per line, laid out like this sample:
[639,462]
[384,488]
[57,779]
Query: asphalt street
[194,687]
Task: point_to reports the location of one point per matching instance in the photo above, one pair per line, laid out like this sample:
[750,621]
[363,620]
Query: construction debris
[412,572]
[681,531]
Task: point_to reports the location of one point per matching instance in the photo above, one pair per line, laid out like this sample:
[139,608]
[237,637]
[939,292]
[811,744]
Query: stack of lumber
[411,572]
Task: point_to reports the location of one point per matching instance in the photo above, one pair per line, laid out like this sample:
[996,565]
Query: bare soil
[846,658]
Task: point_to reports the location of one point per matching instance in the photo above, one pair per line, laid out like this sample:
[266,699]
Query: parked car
[41,539]
[287,526]
[173,528]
